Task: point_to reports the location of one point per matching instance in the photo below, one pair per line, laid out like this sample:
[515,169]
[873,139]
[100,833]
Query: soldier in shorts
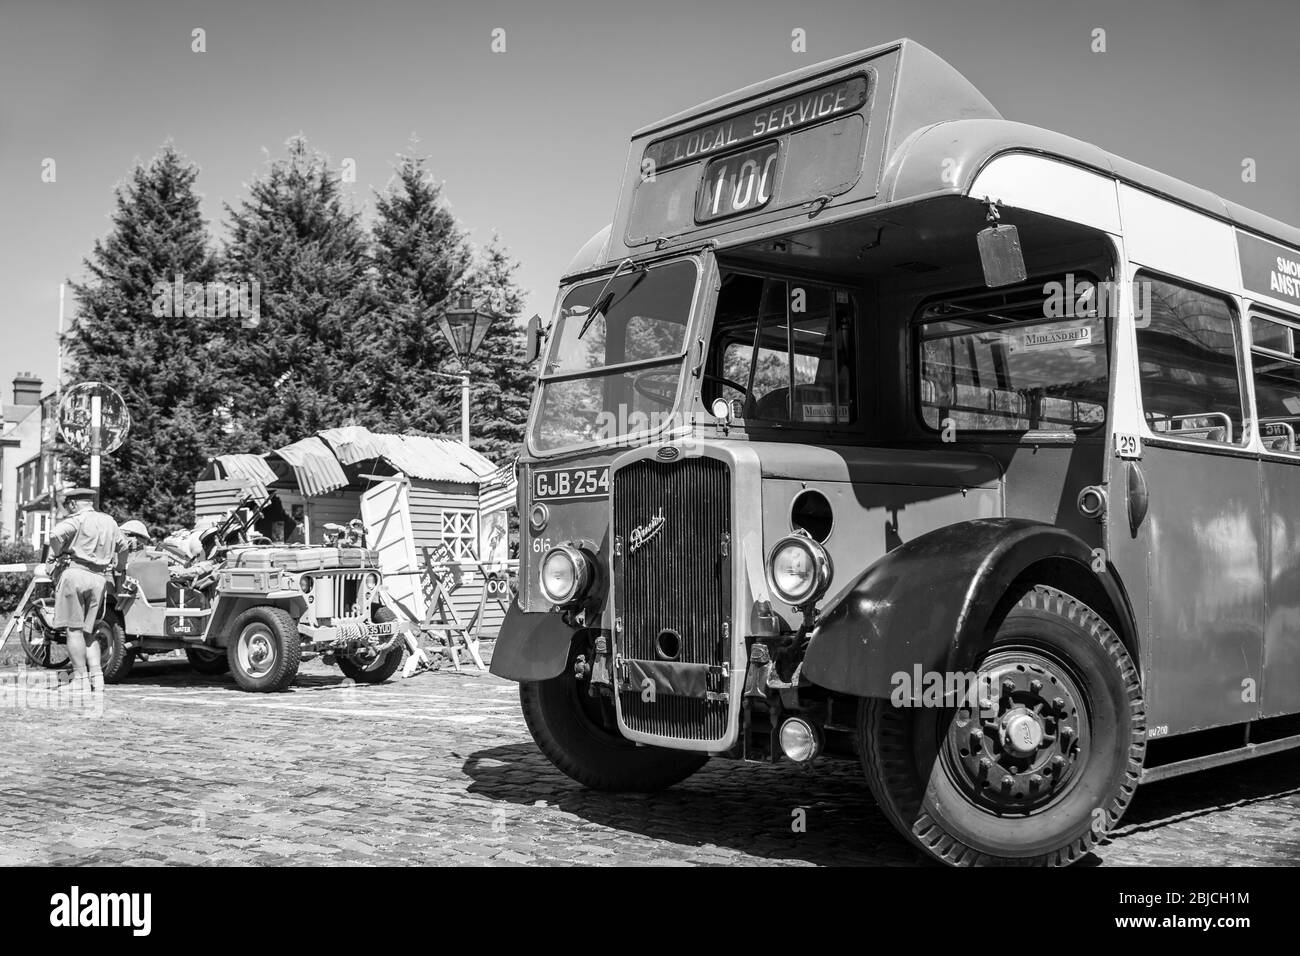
[93,545]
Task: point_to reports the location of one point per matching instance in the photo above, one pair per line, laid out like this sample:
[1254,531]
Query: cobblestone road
[439,769]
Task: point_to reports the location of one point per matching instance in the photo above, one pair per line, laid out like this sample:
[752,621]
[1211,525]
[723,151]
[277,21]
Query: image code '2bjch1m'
[877,426]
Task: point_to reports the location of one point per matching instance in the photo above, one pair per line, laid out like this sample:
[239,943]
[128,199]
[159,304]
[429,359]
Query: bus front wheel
[1034,761]
[566,724]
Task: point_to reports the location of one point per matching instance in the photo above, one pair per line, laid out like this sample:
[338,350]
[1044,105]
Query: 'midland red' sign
[845,96]
[1268,268]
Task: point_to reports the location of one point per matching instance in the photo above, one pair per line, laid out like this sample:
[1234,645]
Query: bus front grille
[681,718]
[672,600]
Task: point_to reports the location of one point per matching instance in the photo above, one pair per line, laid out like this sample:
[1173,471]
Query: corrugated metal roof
[435,459]
[353,443]
[317,470]
[467,456]
[252,469]
[317,461]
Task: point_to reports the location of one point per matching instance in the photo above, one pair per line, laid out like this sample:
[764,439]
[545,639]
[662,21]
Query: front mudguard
[531,647]
[929,602]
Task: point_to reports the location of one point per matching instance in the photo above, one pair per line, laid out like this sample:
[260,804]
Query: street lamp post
[464,327]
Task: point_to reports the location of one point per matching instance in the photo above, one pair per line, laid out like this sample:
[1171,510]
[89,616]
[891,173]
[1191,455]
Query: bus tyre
[115,660]
[1043,764]
[381,668]
[264,651]
[207,661]
[566,724]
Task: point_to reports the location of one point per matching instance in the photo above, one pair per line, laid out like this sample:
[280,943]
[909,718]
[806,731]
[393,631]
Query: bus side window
[999,362]
[1276,371]
[1190,363]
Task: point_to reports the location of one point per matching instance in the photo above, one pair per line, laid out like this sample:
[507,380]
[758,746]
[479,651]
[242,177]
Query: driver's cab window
[783,351]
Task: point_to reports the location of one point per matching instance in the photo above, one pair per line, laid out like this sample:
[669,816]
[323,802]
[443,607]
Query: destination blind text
[842,97]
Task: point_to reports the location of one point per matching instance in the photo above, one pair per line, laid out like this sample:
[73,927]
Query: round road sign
[75,417]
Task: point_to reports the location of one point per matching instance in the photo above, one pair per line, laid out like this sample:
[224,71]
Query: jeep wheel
[1040,768]
[264,650]
[378,669]
[114,659]
[208,662]
[567,725]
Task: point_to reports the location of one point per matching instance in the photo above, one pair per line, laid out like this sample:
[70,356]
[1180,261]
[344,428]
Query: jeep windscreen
[613,367]
[782,352]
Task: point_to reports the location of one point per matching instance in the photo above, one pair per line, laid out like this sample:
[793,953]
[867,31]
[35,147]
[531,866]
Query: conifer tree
[421,257]
[423,264]
[298,370]
[156,361]
[501,379]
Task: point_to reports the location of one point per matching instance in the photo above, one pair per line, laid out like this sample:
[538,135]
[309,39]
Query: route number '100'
[741,182]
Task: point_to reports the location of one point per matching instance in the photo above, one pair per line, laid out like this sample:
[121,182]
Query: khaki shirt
[89,536]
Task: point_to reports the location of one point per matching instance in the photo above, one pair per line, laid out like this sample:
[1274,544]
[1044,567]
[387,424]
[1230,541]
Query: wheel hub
[1022,732]
[256,652]
[1021,746]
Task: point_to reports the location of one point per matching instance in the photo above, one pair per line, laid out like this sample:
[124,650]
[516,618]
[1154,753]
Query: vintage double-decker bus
[876,425]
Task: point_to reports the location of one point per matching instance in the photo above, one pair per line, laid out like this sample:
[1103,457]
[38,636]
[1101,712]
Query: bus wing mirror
[1000,256]
[536,338]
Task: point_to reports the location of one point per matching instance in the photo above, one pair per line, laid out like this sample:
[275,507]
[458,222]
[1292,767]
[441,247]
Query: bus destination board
[804,109]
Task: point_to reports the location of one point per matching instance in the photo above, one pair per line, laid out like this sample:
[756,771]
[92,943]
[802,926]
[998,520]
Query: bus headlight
[798,570]
[566,574]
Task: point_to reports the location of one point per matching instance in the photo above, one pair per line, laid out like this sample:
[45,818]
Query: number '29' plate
[569,484]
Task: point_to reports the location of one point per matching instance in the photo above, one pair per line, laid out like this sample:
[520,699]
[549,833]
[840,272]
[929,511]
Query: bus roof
[972,143]
[928,133]
[932,80]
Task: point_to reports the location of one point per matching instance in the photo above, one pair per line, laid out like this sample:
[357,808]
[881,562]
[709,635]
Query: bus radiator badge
[642,533]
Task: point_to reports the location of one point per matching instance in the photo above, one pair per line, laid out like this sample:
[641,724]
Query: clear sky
[531,142]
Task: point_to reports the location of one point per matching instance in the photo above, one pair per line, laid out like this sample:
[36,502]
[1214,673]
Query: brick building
[21,440]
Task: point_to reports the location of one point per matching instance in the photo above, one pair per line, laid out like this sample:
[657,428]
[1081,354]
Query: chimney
[27,389]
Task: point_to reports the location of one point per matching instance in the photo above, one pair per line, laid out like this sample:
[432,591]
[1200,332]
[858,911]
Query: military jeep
[260,611]
[256,610]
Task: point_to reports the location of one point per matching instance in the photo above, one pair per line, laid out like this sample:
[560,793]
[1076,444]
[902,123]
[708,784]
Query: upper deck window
[1017,360]
[1189,363]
